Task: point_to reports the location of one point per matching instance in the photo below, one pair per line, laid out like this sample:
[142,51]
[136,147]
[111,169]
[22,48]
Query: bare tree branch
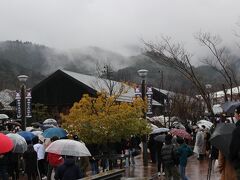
[220,62]
[176,57]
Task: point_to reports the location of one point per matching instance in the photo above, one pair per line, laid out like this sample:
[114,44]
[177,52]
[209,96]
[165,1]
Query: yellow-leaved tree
[101,119]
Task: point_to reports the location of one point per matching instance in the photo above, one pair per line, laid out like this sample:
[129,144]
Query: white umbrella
[159,130]
[29,128]
[217,109]
[204,122]
[68,147]
[153,126]
[3,116]
[20,144]
[178,125]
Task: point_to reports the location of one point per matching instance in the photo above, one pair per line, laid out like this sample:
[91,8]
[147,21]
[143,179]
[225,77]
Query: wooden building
[61,89]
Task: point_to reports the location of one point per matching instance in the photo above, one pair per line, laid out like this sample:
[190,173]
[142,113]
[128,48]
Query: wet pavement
[196,170]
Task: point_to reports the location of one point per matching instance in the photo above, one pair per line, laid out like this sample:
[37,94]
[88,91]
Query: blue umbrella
[50,132]
[28,136]
[230,106]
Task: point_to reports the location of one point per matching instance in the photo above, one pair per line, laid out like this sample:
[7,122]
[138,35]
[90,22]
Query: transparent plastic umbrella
[3,116]
[50,121]
[20,144]
[68,147]
[159,130]
[206,123]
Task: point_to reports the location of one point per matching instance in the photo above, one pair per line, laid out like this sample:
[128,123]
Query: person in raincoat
[199,147]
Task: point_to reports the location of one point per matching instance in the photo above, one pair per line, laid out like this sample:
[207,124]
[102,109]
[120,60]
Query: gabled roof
[100,84]
[165,92]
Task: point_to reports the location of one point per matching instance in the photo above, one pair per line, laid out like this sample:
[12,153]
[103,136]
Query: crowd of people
[170,155]
[167,165]
[36,163]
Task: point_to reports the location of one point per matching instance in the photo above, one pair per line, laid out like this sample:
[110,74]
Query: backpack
[54,159]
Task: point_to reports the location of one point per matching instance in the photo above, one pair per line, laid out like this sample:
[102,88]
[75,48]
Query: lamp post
[143,74]
[23,80]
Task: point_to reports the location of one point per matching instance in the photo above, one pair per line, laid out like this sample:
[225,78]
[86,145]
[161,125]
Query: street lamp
[23,80]
[143,74]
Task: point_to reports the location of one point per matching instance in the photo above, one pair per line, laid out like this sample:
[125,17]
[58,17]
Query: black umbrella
[36,124]
[221,137]
[230,106]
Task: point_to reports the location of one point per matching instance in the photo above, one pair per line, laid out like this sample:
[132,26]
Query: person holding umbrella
[6,146]
[234,148]
[39,148]
[3,166]
[68,171]
[30,158]
[54,160]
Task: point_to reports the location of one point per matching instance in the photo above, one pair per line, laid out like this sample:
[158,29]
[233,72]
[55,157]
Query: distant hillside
[38,61]
[172,80]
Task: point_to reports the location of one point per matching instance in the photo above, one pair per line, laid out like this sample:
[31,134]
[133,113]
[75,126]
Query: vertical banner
[18,105]
[149,100]
[28,105]
[138,92]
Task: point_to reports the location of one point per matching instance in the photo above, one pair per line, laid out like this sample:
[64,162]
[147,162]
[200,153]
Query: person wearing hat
[234,148]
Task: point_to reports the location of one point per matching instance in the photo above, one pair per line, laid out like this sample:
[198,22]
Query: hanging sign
[18,105]
[28,105]
[149,100]
[137,92]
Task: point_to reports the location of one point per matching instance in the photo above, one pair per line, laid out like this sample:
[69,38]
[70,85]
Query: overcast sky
[116,25]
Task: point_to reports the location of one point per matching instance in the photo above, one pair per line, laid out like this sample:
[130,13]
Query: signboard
[149,95]
[149,100]
[18,105]
[138,92]
[28,105]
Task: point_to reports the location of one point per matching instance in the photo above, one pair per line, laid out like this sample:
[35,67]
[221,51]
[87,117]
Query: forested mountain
[38,61]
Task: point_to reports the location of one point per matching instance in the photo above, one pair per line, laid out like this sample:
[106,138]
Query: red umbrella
[181,133]
[6,144]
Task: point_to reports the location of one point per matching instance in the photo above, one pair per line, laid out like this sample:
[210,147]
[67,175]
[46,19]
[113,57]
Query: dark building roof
[65,87]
